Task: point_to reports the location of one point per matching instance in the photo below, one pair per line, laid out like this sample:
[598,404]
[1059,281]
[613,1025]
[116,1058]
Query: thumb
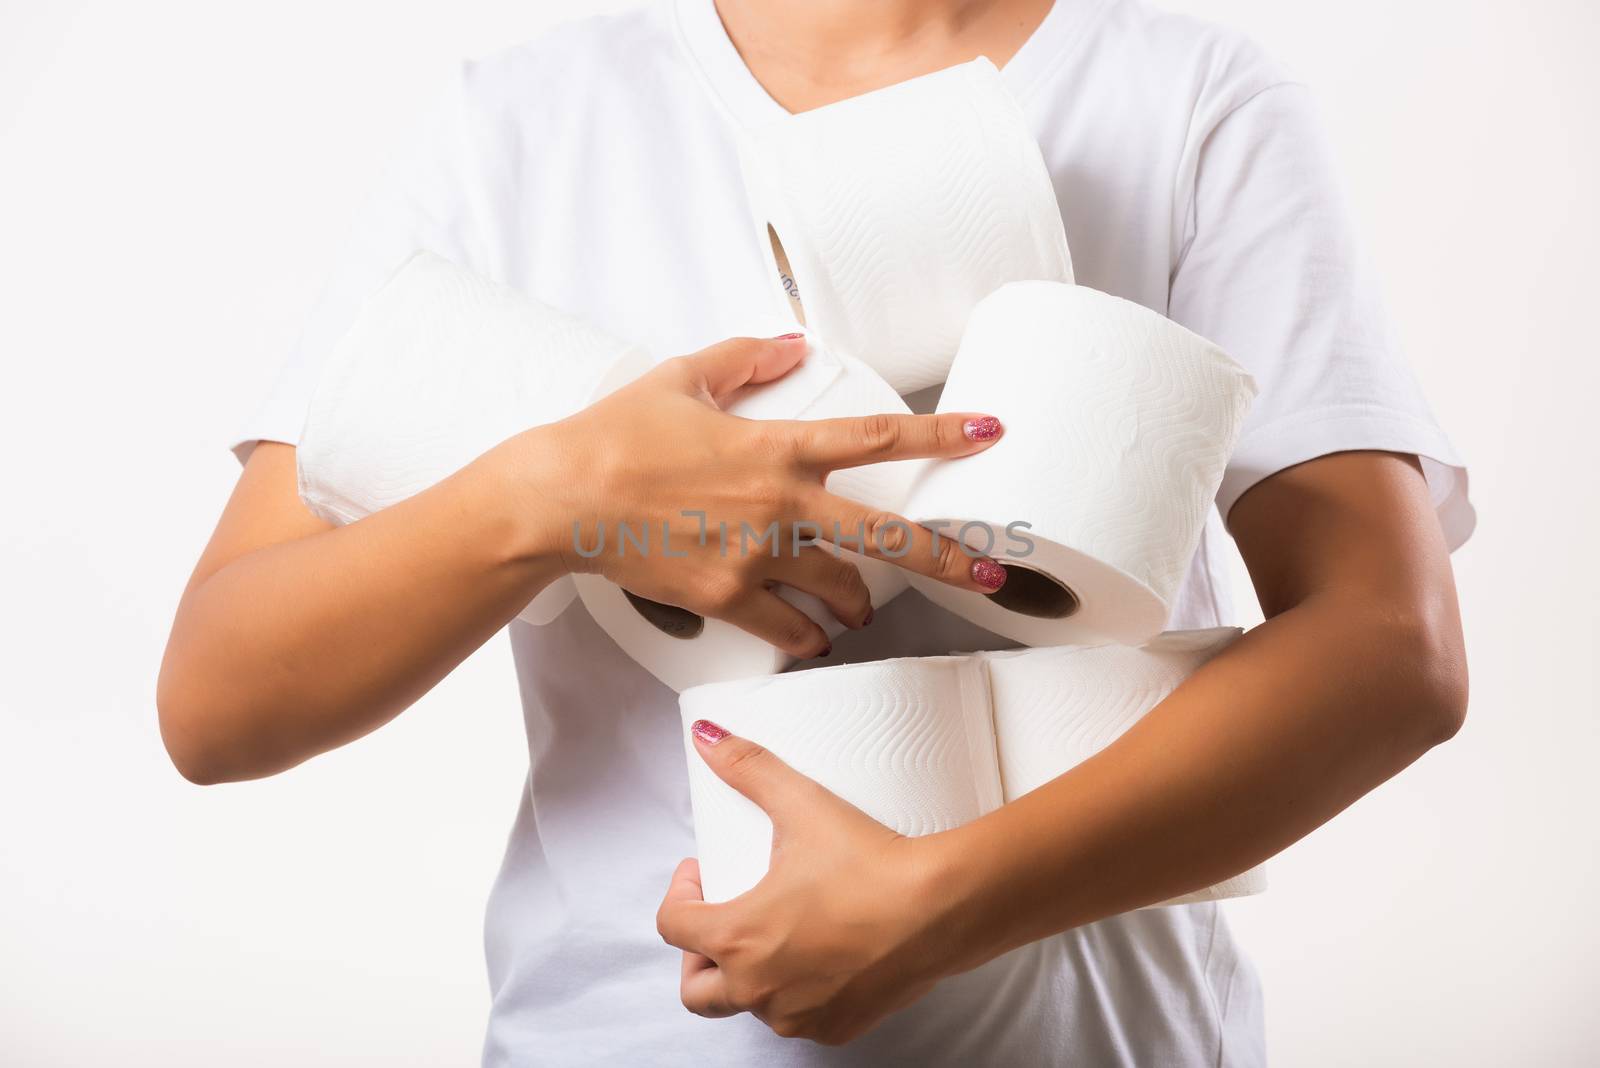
[723,369]
[683,919]
[753,771]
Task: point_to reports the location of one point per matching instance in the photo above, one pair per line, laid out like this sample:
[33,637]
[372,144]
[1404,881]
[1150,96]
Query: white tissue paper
[884,218]
[1118,423]
[682,649]
[925,744]
[440,366]
[909,742]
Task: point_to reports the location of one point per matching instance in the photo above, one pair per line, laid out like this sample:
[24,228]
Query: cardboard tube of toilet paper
[883,219]
[1119,423]
[683,649]
[909,742]
[440,366]
[1055,708]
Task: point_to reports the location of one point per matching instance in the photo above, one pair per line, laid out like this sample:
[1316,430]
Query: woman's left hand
[849,924]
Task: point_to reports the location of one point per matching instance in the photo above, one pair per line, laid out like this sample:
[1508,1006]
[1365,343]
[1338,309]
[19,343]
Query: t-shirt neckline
[748,104]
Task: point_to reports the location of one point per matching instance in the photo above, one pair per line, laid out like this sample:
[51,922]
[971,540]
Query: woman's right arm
[294,637]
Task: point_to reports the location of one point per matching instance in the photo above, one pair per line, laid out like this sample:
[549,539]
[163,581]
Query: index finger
[829,444]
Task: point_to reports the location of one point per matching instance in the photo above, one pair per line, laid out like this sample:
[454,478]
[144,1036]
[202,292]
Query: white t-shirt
[592,170]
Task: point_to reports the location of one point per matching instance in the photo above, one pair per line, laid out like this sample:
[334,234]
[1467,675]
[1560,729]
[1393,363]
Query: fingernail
[983,428]
[867,619]
[988,574]
[707,731]
[789,337]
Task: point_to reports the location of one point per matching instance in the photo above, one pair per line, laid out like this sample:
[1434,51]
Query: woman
[595,169]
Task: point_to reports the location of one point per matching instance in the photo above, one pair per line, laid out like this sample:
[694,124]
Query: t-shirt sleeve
[433,196]
[1269,270]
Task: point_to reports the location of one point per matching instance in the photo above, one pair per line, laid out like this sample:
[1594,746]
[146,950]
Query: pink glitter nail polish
[984,428]
[789,337]
[988,574]
[707,731]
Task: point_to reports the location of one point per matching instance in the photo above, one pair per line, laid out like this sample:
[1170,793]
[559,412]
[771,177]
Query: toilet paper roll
[1118,425]
[439,367]
[1055,708]
[683,649]
[909,742]
[926,744]
[884,218]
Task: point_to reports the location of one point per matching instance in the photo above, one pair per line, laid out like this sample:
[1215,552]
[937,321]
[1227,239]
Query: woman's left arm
[1358,670]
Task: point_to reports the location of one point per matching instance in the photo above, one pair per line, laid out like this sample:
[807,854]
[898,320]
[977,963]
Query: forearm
[301,646]
[1273,737]
[294,637]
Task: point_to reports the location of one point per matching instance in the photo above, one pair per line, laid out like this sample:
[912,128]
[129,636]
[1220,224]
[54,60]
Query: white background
[173,179]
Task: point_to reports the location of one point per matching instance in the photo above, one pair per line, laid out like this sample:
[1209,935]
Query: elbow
[189,762]
[1448,709]
[186,747]
[197,771]
[1450,706]
[189,734]
[1442,710]
[214,734]
[1434,664]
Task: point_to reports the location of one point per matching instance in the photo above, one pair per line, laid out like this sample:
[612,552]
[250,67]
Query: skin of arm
[294,637]
[1358,670]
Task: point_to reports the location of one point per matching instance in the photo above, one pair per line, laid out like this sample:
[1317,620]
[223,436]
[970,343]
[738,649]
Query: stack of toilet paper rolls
[916,255]
[915,234]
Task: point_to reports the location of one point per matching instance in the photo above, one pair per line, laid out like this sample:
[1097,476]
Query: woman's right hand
[661,453]
[294,637]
